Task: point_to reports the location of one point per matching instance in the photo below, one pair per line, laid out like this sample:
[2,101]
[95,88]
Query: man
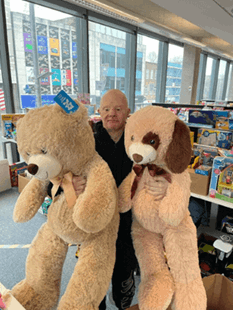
[109,137]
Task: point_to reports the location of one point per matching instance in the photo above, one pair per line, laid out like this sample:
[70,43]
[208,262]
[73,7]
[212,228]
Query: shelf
[214,200]
[196,106]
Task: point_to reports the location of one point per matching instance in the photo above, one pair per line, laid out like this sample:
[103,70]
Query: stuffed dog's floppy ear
[179,151]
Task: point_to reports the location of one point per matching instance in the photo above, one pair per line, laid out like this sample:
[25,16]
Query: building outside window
[174,73]
[221,77]
[209,66]
[44,45]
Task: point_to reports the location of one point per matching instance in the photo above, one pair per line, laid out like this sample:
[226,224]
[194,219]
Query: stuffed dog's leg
[156,288]
[93,271]
[41,287]
[182,255]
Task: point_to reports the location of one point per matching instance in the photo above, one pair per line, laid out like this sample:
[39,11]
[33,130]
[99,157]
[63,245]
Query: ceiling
[208,22]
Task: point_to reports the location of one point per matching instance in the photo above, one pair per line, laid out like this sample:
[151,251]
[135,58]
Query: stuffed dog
[163,232]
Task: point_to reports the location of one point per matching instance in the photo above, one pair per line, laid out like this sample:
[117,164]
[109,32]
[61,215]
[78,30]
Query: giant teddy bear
[56,145]
[159,145]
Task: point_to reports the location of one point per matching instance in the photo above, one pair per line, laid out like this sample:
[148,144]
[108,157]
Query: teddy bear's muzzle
[32,168]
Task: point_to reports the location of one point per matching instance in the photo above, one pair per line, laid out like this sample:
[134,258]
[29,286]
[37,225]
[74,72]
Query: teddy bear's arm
[95,207]
[174,206]
[30,200]
[124,190]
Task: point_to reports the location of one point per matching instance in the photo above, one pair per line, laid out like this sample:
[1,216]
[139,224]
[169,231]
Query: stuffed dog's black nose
[137,158]
[32,168]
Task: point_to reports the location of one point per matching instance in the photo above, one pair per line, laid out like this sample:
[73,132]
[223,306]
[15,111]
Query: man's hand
[156,186]
[79,184]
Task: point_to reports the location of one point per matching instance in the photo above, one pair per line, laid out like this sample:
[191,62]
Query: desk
[215,202]
[14,304]
[14,151]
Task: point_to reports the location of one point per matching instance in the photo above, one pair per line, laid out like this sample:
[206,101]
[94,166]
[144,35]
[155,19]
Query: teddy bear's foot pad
[156,291]
[31,300]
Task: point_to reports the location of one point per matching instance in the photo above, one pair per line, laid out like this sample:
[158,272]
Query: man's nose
[112,112]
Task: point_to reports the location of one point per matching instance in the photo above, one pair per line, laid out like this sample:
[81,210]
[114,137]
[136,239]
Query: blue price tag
[66,102]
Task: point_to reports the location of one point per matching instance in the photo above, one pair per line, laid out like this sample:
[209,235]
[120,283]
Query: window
[174,73]
[208,73]
[2,99]
[107,60]
[147,62]
[221,78]
[46,53]
[229,92]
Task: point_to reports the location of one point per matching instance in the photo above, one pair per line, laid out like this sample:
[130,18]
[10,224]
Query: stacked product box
[9,125]
[221,184]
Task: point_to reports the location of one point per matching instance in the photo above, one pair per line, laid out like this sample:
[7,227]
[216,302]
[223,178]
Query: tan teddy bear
[159,145]
[56,145]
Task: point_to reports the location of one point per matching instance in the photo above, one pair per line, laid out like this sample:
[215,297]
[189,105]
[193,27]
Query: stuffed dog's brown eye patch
[151,139]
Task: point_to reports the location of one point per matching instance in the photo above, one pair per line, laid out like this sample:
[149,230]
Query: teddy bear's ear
[179,151]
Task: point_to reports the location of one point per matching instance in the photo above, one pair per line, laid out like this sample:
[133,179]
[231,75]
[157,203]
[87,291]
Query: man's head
[114,110]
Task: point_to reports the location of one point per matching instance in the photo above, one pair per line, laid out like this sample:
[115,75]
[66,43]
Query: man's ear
[129,110]
[98,110]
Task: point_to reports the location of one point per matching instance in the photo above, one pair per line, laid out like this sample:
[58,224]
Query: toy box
[221,184]
[203,155]
[192,137]
[203,170]
[215,137]
[226,153]
[9,125]
[227,224]
[201,117]
[13,172]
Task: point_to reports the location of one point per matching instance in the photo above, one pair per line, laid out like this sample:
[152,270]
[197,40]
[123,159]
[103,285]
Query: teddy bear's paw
[31,300]
[190,296]
[156,291]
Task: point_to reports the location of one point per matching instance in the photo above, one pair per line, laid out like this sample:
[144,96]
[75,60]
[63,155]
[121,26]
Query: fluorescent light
[194,42]
[106,9]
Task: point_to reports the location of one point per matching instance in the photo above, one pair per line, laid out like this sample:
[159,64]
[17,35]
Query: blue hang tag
[66,102]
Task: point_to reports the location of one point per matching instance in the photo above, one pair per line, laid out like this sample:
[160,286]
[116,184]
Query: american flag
[2,100]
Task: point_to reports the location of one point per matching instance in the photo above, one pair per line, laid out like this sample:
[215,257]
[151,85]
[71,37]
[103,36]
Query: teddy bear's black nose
[137,158]
[32,168]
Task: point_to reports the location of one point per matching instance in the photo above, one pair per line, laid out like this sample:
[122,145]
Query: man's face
[114,112]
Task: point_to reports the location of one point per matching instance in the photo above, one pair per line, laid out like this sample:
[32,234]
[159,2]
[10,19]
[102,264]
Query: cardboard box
[219,291]
[22,182]
[199,183]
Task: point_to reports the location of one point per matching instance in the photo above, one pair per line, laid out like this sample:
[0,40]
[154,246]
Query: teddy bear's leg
[182,255]
[41,288]
[157,287]
[93,272]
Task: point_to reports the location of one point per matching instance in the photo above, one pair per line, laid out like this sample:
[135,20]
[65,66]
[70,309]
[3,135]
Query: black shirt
[113,153]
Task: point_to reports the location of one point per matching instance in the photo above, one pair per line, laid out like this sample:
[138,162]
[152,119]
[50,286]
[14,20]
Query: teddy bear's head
[53,142]
[156,135]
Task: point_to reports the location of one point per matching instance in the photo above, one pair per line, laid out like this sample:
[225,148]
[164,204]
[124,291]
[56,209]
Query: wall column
[190,72]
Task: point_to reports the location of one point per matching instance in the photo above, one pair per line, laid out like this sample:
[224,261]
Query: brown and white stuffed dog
[159,145]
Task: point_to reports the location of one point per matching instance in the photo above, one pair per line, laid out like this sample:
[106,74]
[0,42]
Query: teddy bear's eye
[27,154]
[132,138]
[152,141]
[44,151]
